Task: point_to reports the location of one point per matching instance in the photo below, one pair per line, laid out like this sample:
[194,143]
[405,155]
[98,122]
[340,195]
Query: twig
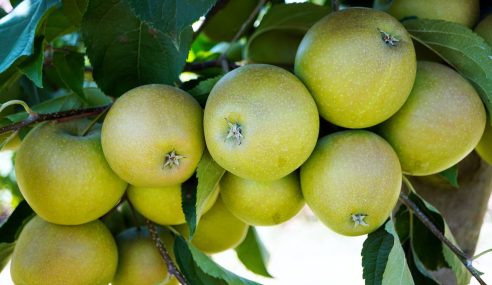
[482,253]
[239,33]
[335,5]
[194,66]
[93,122]
[404,199]
[59,116]
[216,8]
[171,267]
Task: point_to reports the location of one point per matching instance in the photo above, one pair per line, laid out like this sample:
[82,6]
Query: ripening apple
[63,174]
[50,254]
[359,65]
[153,136]
[352,181]
[441,122]
[260,122]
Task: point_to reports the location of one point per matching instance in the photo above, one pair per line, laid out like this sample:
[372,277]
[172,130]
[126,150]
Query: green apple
[441,122]
[50,254]
[458,11]
[484,29]
[359,65]
[260,122]
[139,260]
[352,181]
[262,203]
[163,205]
[153,136]
[218,230]
[64,176]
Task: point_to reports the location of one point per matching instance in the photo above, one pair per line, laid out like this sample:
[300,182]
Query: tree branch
[171,267]
[216,8]
[404,199]
[335,5]
[59,116]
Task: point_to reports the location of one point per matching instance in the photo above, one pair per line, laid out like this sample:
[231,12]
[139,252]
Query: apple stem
[171,267]
[93,122]
[335,5]
[405,200]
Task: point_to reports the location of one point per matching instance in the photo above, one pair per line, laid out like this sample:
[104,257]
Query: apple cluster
[392,115]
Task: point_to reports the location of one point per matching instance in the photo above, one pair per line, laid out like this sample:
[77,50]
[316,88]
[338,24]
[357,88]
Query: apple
[359,65]
[153,136]
[260,122]
[262,203]
[50,254]
[441,122]
[64,176]
[352,181]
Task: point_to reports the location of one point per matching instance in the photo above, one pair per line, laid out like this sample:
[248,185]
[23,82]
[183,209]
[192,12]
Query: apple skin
[458,11]
[352,172]
[484,29]
[441,122]
[277,116]
[217,231]
[50,254]
[64,176]
[262,203]
[139,261]
[163,205]
[356,79]
[145,125]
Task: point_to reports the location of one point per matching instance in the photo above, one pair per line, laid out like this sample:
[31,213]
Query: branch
[195,66]
[171,267]
[59,116]
[335,5]
[404,199]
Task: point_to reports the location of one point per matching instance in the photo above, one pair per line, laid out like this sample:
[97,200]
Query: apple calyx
[388,39]
[171,159]
[359,220]
[235,132]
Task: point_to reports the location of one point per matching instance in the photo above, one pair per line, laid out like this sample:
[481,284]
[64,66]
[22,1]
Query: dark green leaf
[74,10]
[2,13]
[11,229]
[189,268]
[451,175]
[188,197]
[125,52]
[459,46]
[32,67]
[18,28]
[209,174]
[171,17]
[253,253]
[383,258]
[208,266]
[70,68]
[95,97]
[58,25]
[420,274]
[7,79]
[201,91]
[284,25]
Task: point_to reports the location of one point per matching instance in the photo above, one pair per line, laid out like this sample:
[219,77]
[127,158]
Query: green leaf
[201,91]
[74,10]
[460,47]
[188,200]
[10,230]
[32,67]
[18,28]
[284,25]
[125,52]
[253,253]
[451,175]
[171,17]
[420,274]
[58,25]
[189,268]
[383,258]
[70,68]
[209,174]
[208,266]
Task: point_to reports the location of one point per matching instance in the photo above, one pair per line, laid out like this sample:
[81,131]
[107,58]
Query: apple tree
[149,135]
